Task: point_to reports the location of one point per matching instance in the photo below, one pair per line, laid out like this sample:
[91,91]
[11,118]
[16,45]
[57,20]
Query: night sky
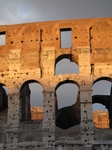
[23,11]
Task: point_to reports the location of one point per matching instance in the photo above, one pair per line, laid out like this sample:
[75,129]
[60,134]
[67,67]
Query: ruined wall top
[30,39]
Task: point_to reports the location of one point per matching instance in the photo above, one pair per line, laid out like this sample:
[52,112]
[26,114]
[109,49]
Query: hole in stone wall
[101,98]
[92,68]
[31,101]
[2,38]
[90,38]
[66,38]
[67,104]
[64,65]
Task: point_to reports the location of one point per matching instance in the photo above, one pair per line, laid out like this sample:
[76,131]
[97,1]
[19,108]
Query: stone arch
[73,65]
[104,99]
[68,116]
[26,111]
[66,81]
[102,78]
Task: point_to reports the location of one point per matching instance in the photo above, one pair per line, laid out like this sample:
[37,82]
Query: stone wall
[30,54]
[36,113]
[101,119]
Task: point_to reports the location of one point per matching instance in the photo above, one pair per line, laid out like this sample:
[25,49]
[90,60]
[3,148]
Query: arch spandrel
[74,77]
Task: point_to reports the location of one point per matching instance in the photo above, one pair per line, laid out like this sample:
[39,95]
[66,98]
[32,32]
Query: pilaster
[87,125]
[13,116]
[48,61]
[84,60]
[49,118]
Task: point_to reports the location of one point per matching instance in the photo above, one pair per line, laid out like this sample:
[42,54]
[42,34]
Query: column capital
[13,91]
[48,91]
[86,88]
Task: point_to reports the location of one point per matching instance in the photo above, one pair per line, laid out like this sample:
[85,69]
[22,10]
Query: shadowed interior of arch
[3,101]
[102,99]
[67,101]
[31,101]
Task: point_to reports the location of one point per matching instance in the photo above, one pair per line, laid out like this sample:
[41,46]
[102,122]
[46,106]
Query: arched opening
[3,112]
[102,103]
[31,101]
[64,65]
[67,104]
[3,100]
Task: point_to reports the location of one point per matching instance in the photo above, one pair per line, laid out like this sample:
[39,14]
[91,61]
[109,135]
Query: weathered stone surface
[101,119]
[68,116]
[30,54]
[36,113]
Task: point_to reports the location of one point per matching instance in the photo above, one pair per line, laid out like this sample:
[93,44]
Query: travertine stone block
[30,54]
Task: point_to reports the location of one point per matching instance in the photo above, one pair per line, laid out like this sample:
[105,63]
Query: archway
[3,112]
[102,102]
[64,65]
[3,100]
[31,101]
[67,104]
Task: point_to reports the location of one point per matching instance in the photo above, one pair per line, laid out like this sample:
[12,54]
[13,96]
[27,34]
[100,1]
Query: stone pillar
[49,118]
[14,59]
[84,61]
[59,147]
[102,147]
[48,61]
[87,125]
[87,147]
[25,114]
[13,116]
[48,127]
